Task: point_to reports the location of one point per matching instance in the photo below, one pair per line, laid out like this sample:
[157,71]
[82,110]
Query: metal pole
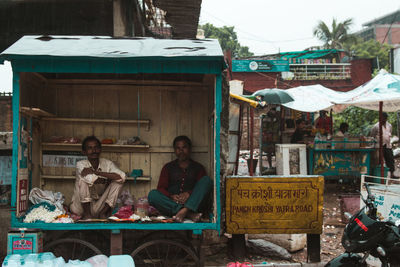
[260,154]
[251,140]
[248,127]
[381,141]
[330,114]
[398,121]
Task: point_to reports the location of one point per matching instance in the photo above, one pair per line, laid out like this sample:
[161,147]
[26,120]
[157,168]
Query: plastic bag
[142,207]
[38,195]
[238,264]
[98,261]
[46,259]
[153,211]
[125,199]
[124,212]
[72,263]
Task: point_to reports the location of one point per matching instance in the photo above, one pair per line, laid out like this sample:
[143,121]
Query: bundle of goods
[66,140]
[42,212]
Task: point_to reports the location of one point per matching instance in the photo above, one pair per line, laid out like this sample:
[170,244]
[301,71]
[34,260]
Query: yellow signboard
[274,204]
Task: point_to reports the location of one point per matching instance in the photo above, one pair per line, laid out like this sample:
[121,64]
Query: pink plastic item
[238,264]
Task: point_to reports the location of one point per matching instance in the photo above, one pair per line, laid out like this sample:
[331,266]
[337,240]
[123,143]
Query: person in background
[98,183]
[183,186]
[387,146]
[343,130]
[324,122]
[298,135]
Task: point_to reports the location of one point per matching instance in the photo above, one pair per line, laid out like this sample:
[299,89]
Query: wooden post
[116,242]
[198,242]
[238,246]
[239,138]
[398,123]
[313,248]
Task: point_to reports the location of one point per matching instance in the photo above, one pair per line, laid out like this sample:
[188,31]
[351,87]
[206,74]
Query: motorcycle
[366,233]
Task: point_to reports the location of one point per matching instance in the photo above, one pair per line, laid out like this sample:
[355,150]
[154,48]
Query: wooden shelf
[91,120]
[78,147]
[71,177]
[66,177]
[141,178]
[95,120]
[35,112]
[5,146]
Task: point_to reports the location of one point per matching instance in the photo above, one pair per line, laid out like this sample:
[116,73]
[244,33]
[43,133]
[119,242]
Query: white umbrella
[384,87]
[381,93]
[313,98]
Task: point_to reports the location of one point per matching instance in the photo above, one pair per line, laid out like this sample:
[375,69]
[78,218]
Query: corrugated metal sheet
[182,15]
[108,47]
[62,17]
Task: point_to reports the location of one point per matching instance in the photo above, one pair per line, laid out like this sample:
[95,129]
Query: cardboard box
[24,242]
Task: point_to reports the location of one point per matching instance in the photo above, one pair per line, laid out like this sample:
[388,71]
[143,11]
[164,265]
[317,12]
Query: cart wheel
[72,249]
[164,252]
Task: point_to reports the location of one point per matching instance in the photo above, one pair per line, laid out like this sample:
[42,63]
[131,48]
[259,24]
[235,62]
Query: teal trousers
[168,207]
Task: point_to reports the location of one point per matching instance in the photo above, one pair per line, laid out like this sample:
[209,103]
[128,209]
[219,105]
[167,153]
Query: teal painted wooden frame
[183,65]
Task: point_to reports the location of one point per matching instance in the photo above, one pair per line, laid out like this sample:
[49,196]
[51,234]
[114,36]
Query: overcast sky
[5,77]
[267,26]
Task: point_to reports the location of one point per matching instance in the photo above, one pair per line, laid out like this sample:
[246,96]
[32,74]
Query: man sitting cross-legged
[98,183]
[183,185]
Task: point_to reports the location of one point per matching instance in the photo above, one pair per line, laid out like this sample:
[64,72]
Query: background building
[385,29]
[329,67]
[120,18]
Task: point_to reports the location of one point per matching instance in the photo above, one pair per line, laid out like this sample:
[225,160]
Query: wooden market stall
[340,159]
[135,93]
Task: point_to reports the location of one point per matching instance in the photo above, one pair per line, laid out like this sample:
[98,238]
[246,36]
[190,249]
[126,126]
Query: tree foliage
[227,38]
[372,49]
[336,36]
[360,120]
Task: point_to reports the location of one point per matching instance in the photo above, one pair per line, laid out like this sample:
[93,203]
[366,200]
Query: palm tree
[334,38]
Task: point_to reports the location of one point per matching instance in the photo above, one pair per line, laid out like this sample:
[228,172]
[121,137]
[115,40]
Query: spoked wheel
[72,249]
[164,253]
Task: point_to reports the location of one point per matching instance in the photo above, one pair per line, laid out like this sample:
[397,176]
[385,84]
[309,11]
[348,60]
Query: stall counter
[336,163]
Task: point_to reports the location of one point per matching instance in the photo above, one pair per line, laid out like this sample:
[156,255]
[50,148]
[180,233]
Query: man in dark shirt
[324,122]
[298,135]
[183,185]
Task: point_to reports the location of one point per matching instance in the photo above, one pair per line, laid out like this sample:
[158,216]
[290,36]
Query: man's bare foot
[86,217]
[86,211]
[180,216]
[195,216]
[105,212]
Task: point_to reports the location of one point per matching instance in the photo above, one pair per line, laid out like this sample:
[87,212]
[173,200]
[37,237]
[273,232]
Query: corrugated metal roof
[385,19]
[109,47]
[308,54]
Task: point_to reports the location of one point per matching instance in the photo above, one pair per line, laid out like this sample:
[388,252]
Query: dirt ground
[333,226]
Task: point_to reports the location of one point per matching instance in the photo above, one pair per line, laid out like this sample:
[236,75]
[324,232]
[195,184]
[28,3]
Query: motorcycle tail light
[381,251]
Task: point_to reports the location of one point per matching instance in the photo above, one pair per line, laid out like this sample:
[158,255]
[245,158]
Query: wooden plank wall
[31,88]
[172,110]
